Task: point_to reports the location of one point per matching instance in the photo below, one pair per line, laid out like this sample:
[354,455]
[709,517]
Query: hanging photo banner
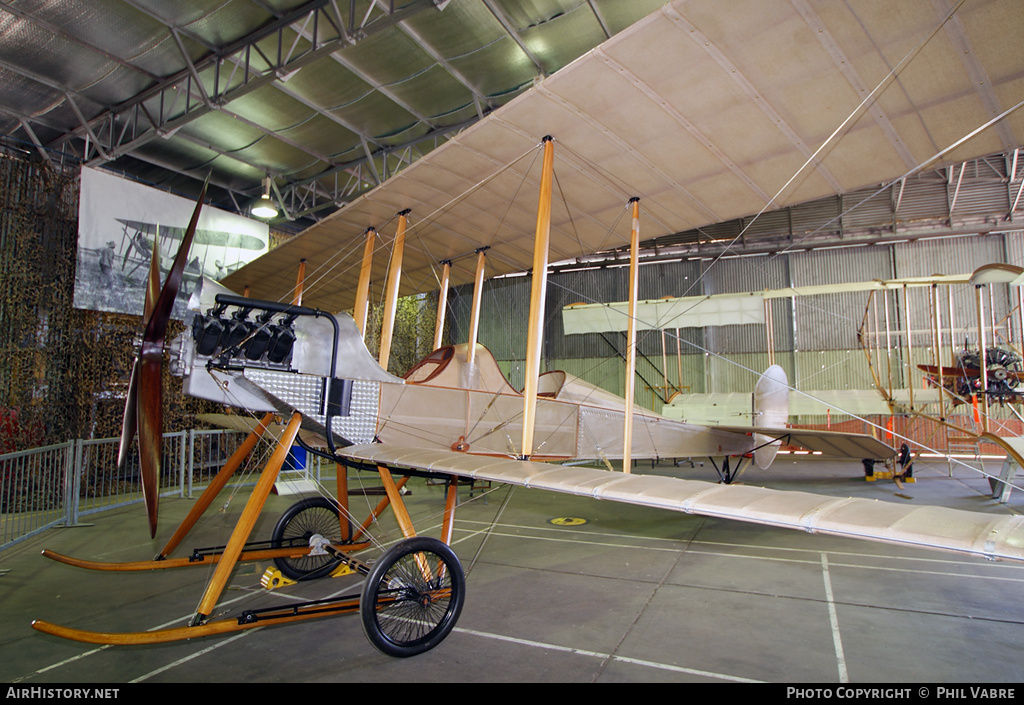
[119,223]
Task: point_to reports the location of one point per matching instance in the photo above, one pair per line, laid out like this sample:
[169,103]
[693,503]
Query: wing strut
[538,289]
[387,328]
[442,302]
[634,246]
[363,287]
[478,293]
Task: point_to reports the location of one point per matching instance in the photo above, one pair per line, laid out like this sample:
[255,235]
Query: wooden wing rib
[974,533]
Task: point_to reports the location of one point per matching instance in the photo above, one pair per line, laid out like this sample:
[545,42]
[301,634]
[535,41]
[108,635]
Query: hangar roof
[707,110]
[328,98]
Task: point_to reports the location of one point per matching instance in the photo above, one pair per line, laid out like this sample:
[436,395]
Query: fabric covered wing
[975,533]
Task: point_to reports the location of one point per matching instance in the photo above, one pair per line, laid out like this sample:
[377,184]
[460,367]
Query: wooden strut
[359,312]
[387,327]
[538,289]
[300,281]
[442,303]
[216,485]
[247,520]
[205,500]
[198,509]
[199,627]
[982,362]
[474,318]
[627,430]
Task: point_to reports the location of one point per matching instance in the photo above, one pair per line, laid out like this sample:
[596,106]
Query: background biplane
[954,349]
[609,137]
[139,237]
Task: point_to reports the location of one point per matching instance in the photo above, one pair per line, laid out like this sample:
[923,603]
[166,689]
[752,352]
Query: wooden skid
[208,559]
[285,615]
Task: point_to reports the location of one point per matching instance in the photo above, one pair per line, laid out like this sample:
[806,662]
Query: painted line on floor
[699,548]
[197,654]
[97,650]
[613,657]
[833,619]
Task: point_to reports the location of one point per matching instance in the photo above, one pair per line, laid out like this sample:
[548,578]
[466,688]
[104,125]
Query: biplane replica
[280,352]
[928,362]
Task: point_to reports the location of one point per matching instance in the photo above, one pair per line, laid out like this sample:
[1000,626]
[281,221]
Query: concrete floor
[632,595]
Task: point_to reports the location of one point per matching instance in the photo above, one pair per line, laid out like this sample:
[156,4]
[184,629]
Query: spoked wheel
[412,597]
[299,523]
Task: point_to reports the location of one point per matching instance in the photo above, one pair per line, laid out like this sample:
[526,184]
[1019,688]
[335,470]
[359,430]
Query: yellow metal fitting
[341,571]
[272,578]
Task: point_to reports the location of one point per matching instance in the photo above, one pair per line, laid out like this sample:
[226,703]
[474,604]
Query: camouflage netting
[413,337]
[63,371]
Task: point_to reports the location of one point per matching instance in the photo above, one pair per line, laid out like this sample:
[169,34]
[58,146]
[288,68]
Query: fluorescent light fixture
[264,208]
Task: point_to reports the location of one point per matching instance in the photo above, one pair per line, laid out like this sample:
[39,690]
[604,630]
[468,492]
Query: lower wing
[975,533]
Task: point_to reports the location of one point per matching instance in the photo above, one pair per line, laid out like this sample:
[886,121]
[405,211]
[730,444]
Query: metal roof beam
[511,31]
[159,106]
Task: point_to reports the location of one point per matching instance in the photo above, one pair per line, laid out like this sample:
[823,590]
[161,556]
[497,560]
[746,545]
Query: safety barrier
[58,484]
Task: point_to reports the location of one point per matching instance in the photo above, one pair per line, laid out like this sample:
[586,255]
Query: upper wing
[744,117]
[994,537]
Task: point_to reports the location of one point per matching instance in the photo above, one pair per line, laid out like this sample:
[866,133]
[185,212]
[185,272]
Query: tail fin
[771,410]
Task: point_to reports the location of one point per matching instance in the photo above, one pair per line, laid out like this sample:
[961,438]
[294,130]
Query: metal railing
[56,485]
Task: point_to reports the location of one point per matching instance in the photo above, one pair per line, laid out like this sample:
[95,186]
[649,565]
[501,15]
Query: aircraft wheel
[299,523]
[412,597]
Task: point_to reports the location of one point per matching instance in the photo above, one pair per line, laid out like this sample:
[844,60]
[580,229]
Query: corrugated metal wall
[815,337]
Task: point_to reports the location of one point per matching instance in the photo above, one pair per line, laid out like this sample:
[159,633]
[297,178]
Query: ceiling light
[264,208]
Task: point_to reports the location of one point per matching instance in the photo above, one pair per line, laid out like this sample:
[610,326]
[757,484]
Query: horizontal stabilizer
[831,444]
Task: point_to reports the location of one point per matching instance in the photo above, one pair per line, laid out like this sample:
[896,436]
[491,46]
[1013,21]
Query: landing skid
[411,599]
[197,559]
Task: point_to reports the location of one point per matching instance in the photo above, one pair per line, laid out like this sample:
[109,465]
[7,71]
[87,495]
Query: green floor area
[559,589]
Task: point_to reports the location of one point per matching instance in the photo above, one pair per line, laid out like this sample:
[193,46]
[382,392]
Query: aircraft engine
[267,356]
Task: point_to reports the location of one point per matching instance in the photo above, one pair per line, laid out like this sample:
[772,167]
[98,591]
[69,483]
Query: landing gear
[727,475]
[413,597]
[304,520]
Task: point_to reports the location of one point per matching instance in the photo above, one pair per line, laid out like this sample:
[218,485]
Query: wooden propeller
[143,410]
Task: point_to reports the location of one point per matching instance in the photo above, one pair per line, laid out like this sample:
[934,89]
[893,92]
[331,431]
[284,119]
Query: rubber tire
[422,626]
[315,515]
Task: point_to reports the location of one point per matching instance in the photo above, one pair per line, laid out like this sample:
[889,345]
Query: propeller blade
[156,326]
[144,407]
[130,423]
[151,427]
[129,426]
[152,284]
